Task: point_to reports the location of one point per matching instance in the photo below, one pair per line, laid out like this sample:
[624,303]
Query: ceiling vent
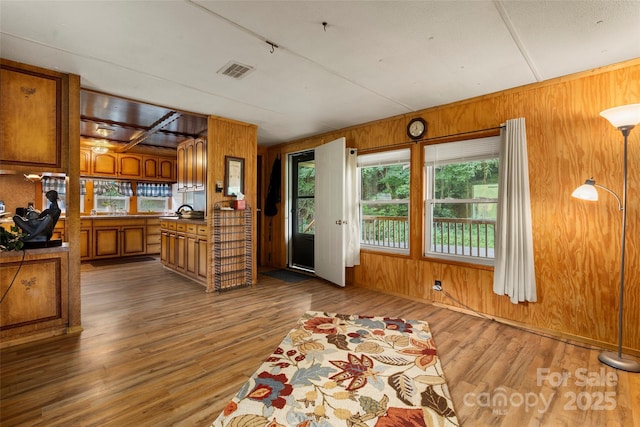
[235,70]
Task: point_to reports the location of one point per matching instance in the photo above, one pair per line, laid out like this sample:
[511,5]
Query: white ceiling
[373,59]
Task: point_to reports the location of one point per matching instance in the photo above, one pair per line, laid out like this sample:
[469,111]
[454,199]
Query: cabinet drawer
[202,230]
[168,225]
[153,239]
[181,227]
[153,229]
[191,228]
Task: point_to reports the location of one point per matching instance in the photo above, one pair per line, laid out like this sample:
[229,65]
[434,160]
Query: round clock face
[416,128]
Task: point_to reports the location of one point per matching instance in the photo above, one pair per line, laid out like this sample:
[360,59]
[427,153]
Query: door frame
[288,201]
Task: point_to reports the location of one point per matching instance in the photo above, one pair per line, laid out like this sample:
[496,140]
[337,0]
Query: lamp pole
[624,119]
[612,359]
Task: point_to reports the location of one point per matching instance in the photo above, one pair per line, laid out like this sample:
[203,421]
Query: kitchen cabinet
[158,168]
[38,304]
[181,249]
[119,237]
[199,165]
[59,231]
[192,165]
[184,248]
[33,118]
[86,233]
[149,167]
[104,164]
[129,166]
[114,237]
[85,162]
[166,169]
[153,236]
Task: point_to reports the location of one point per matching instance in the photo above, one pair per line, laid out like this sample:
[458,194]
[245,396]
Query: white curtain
[514,272]
[352,210]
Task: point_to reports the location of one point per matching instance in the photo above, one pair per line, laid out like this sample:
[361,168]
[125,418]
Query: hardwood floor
[156,350]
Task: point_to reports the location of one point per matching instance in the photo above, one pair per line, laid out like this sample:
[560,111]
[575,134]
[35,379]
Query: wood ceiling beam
[168,118]
[98,121]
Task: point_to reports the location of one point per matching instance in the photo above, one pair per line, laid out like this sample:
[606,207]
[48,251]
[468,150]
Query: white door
[329,247]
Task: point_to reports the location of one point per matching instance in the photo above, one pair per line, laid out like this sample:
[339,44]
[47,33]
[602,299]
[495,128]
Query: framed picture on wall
[233,176]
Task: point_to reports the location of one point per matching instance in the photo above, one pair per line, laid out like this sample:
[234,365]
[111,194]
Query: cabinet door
[149,167]
[106,242]
[171,252]
[189,166]
[182,167]
[200,165]
[164,247]
[181,252]
[201,272]
[133,240]
[192,253]
[104,164]
[85,244]
[59,231]
[166,169]
[130,166]
[30,123]
[85,162]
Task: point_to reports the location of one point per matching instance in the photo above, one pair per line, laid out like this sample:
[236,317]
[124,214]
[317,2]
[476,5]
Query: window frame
[396,156]
[429,202]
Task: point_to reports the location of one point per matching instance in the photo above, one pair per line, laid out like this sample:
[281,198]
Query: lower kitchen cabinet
[153,236]
[184,248]
[85,239]
[115,237]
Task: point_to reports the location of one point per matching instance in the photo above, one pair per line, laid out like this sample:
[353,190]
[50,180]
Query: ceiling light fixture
[104,131]
[100,149]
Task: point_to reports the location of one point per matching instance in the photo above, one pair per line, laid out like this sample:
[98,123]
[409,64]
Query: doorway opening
[302,190]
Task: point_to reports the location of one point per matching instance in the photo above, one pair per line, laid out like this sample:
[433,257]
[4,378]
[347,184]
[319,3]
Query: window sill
[382,251]
[460,262]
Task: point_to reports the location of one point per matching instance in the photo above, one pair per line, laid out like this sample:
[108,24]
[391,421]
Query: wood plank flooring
[156,350]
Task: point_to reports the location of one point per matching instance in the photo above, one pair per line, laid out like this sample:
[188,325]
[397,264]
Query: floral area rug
[346,370]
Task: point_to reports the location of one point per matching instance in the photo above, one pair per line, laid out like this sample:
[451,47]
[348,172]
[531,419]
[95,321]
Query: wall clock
[416,128]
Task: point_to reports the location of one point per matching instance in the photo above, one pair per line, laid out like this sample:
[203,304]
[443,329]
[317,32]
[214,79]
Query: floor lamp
[624,119]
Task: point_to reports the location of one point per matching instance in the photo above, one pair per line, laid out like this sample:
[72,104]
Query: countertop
[189,220]
[5,255]
[131,216]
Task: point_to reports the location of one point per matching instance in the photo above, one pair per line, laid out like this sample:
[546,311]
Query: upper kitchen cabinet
[34,117]
[104,164]
[160,168]
[130,166]
[127,166]
[192,165]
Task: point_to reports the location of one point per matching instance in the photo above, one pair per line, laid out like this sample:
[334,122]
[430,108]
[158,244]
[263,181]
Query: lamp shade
[626,115]
[586,192]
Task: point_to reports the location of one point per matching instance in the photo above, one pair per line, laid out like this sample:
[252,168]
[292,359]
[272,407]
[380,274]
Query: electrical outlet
[437,286]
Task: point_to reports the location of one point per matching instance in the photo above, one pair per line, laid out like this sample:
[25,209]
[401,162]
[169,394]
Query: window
[58,184]
[461,185]
[153,197]
[384,200]
[111,196]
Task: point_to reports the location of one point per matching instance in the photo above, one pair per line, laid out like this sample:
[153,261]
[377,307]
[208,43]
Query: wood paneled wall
[228,137]
[576,243]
